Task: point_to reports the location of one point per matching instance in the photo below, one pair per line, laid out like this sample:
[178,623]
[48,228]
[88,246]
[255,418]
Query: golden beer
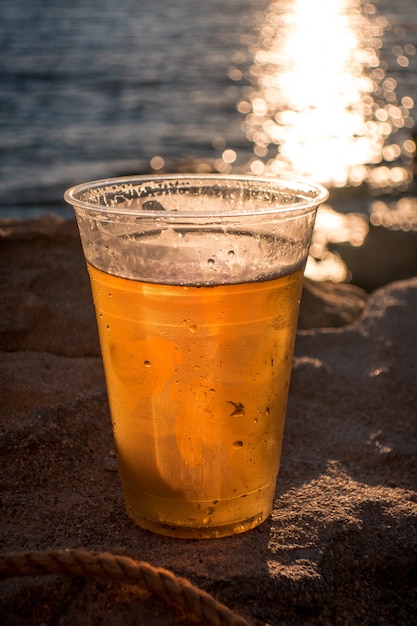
[197,379]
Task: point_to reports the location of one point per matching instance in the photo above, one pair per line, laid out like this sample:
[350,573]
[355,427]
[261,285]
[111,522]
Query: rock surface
[340,546]
[386,255]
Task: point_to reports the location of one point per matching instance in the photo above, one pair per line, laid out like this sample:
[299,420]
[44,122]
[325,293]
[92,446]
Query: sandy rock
[340,546]
[46,301]
[385,256]
[327,304]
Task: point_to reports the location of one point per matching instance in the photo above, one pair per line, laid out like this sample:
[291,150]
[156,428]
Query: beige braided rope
[193,601]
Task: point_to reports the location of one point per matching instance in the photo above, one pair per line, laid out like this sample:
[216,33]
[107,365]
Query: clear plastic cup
[196,283]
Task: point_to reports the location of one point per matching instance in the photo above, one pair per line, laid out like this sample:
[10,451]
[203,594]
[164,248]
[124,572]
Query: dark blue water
[97,88]
[93,88]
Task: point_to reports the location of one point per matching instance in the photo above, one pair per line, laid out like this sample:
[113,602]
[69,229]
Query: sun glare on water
[322,104]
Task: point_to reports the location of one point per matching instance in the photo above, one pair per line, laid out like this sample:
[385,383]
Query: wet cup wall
[196,283]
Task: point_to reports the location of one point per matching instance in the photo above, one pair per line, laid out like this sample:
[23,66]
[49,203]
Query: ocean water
[94,88]
[97,88]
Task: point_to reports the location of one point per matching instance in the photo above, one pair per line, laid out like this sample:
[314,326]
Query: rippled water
[97,88]
[94,88]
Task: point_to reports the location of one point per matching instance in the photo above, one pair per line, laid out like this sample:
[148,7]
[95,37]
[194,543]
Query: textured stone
[340,545]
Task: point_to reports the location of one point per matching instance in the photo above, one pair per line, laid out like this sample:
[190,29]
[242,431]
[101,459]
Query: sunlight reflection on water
[322,103]
[333,227]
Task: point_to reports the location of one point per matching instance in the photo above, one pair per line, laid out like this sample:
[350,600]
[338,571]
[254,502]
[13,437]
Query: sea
[96,88]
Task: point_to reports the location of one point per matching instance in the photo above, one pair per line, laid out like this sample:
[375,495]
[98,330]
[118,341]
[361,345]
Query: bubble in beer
[147,363]
[210,262]
[231,253]
[238,444]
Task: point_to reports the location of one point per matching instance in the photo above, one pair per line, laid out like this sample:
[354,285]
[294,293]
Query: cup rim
[288,184]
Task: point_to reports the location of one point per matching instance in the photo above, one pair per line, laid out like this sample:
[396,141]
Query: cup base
[197,520]
[204,532]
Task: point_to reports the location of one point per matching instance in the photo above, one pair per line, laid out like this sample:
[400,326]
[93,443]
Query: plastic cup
[196,283]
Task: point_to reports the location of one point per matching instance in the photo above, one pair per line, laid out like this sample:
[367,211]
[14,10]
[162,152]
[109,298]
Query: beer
[197,379]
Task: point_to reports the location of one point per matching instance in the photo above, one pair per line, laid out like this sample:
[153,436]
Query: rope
[193,601]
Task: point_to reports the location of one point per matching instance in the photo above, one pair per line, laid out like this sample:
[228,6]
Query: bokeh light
[333,227]
[322,103]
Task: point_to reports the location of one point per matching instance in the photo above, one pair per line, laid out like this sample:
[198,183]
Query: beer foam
[185,256]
